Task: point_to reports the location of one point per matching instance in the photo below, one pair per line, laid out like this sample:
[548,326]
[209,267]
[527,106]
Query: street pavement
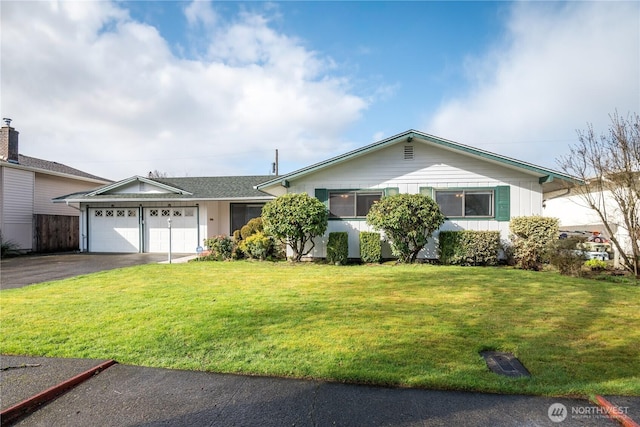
[123,395]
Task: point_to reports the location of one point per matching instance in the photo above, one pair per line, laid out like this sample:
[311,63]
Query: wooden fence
[55,233]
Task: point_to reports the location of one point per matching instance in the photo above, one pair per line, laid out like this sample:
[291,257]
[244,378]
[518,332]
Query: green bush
[596,264]
[532,238]
[7,247]
[252,227]
[408,221]
[370,247]
[468,247]
[221,247]
[566,257]
[258,246]
[338,247]
[296,219]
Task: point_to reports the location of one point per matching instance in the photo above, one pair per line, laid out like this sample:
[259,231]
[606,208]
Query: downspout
[141,229]
[198,223]
[86,236]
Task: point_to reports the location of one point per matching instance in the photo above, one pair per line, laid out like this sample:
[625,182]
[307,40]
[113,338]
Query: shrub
[532,236]
[258,246]
[221,247]
[596,264]
[295,219]
[338,247]
[252,227]
[566,257]
[469,247]
[7,247]
[370,247]
[408,221]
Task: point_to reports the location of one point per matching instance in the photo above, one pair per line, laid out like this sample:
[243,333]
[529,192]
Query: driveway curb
[614,413]
[18,410]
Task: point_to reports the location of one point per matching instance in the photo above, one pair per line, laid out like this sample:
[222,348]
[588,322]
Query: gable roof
[176,189]
[52,168]
[545,175]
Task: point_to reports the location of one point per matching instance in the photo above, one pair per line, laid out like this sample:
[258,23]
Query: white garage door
[184,229]
[114,230]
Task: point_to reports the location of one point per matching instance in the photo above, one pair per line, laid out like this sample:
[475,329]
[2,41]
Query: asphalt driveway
[29,269]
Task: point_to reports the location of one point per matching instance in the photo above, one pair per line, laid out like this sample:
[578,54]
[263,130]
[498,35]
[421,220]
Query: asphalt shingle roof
[201,188]
[218,187]
[49,166]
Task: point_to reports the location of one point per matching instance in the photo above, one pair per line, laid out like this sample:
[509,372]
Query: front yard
[416,325]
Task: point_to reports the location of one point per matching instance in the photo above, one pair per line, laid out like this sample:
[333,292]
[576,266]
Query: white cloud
[560,66]
[88,86]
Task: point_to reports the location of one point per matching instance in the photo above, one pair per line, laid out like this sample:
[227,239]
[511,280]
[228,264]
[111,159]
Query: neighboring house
[575,215]
[27,185]
[476,189]
[132,215]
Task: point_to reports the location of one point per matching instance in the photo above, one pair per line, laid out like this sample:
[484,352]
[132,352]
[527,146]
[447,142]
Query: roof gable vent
[408,152]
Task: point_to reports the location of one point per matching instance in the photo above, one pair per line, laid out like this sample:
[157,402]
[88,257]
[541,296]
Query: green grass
[418,326]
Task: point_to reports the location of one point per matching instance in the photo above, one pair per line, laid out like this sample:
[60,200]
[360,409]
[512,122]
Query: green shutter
[323,195]
[503,203]
[427,191]
[391,191]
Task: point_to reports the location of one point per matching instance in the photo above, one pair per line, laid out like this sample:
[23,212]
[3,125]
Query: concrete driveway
[29,269]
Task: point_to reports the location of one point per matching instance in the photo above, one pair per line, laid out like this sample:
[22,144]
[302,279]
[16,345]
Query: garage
[114,229]
[184,229]
[133,215]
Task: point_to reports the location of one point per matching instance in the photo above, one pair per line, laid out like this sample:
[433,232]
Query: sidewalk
[124,395]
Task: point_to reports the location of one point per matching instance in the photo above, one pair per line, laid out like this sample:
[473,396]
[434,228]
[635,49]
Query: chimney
[8,142]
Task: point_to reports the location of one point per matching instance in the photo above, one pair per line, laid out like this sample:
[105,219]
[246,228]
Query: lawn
[417,325]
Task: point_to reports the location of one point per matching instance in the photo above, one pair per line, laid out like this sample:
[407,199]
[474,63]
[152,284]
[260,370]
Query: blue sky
[213,88]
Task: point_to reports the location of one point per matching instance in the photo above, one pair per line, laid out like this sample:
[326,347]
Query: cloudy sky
[213,88]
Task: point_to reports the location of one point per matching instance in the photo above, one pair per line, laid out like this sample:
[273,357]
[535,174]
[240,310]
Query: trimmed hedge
[532,238]
[370,247]
[338,247]
[469,247]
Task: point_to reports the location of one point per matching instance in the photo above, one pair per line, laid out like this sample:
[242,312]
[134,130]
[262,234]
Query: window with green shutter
[473,202]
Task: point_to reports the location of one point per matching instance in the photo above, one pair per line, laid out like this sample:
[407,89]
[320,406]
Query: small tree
[295,219]
[609,165]
[408,221]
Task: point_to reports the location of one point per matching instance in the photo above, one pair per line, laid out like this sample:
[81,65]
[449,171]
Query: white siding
[431,167]
[17,208]
[572,211]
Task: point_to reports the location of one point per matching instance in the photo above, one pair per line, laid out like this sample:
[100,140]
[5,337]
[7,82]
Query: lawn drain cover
[504,364]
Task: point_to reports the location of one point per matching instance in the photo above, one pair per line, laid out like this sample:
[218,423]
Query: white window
[97,212]
[352,204]
[132,212]
[465,203]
